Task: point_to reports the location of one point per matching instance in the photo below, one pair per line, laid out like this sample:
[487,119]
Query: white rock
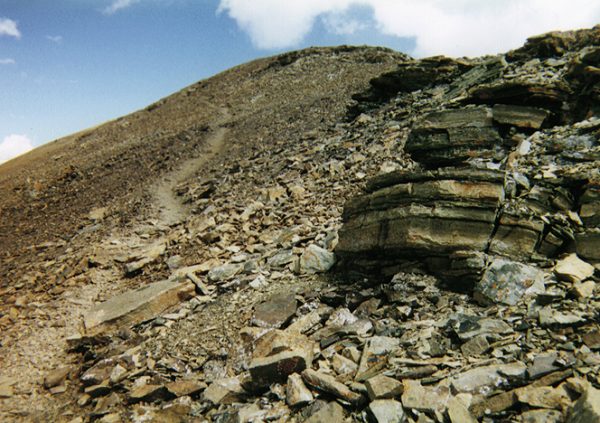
[316,260]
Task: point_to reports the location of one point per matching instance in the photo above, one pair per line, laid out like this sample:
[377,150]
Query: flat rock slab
[276,311]
[136,306]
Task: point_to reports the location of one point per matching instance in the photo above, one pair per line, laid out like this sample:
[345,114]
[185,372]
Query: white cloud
[8,61]
[55,38]
[341,24]
[14,145]
[454,28]
[9,28]
[117,5]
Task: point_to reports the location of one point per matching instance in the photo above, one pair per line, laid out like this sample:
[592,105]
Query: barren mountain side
[59,230]
[113,164]
[425,252]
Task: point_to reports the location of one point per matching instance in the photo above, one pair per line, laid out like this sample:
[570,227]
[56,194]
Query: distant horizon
[73,65]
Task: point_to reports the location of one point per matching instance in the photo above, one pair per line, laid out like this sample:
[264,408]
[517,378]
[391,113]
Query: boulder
[315,259]
[508,282]
[279,354]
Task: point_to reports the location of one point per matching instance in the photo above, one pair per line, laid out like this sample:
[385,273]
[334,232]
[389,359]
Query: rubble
[304,285]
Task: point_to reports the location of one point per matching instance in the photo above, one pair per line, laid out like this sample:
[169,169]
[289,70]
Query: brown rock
[184,387]
[278,354]
[135,306]
[275,312]
[587,408]
[330,385]
[6,391]
[429,399]
[224,391]
[148,393]
[56,377]
[571,268]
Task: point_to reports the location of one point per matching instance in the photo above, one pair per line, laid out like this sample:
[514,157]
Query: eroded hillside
[209,282]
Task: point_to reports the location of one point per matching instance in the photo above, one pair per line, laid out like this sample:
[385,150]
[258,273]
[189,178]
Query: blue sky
[69,64]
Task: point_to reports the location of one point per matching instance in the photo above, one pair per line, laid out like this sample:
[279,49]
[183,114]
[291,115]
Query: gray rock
[467,327]
[547,316]
[482,380]
[542,365]
[587,408]
[383,387]
[387,411]
[475,346]
[542,416]
[588,245]
[224,272]
[315,259]
[343,366]
[375,351]
[99,372]
[282,259]
[330,413]
[276,311]
[508,282]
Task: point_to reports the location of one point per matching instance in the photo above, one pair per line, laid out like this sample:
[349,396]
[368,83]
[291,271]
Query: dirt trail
[171,210]
[24,363]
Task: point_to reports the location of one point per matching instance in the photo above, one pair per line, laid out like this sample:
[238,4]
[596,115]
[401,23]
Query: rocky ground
[427,253]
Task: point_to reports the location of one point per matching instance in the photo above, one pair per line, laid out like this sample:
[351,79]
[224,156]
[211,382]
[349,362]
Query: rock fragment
[279,354]
[56,377]
[315,259]
[276,311]
[425,398]
[224,391]
[587,408]
[383,387]
[330,385]
[387,411]
[331,412]
[508,282]
[571,268]
[296,391]
[136,306]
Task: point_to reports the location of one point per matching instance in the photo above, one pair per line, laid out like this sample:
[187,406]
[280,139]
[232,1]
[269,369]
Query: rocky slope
[464,193]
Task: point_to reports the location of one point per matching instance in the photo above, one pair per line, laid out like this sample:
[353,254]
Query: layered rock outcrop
[504,168]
